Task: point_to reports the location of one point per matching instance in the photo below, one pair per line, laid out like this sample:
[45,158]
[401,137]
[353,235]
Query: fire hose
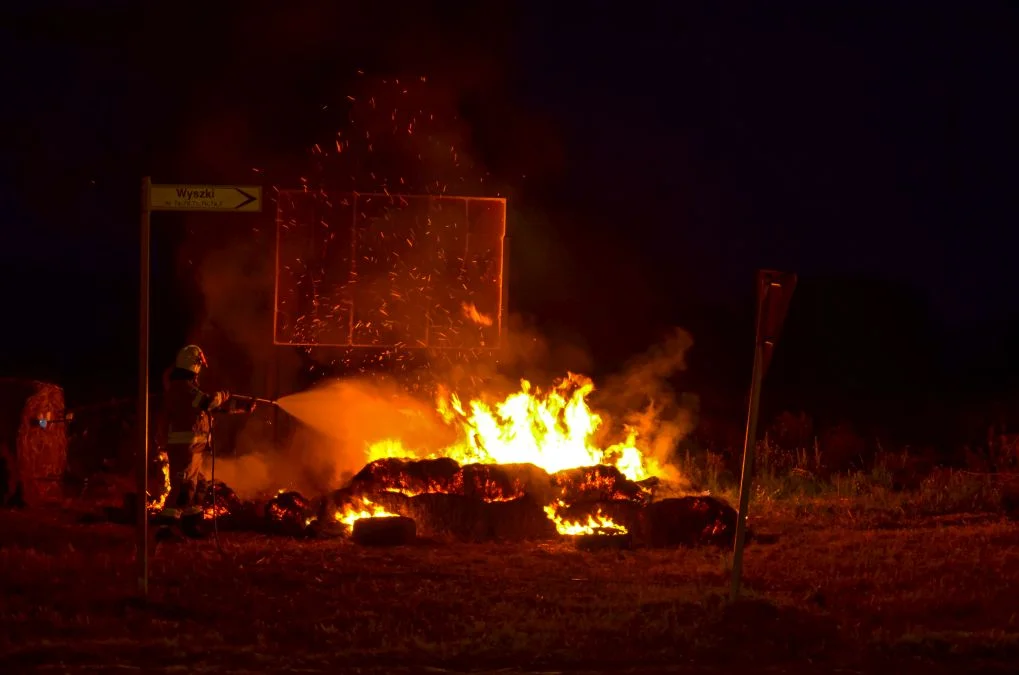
[253,401]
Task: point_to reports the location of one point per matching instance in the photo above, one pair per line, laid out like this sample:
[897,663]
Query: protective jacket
[187,411]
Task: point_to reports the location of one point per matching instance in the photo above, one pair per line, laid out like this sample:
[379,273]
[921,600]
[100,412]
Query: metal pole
[746,476]
[143,394]
[504,300]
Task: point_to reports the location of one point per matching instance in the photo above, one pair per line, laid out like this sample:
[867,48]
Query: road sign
[241,198]
[774,291]
[222,198]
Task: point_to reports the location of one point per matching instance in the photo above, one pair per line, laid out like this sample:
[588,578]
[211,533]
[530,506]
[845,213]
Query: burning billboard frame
[384,271]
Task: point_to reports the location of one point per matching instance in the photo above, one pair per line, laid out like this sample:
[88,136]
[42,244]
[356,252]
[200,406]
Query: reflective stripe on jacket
[185,438]
[186,413]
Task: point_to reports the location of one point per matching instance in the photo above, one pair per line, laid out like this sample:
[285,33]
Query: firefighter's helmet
[191,358]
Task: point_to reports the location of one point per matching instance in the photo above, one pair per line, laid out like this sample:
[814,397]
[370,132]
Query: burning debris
[360,509]
[525,468]
[599,483]
[521,502]
[407,476]
[598,523]
[222,503]
[391,502]
[289,513]
[156,499]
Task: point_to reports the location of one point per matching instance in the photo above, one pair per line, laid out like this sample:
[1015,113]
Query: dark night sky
[870,141]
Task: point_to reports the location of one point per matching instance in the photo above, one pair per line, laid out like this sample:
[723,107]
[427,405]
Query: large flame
[553,429]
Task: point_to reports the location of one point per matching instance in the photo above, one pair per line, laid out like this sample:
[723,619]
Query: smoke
[236,283]
[642,398]
[335,423]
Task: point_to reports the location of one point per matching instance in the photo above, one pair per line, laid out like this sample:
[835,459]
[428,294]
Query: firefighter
[185,432]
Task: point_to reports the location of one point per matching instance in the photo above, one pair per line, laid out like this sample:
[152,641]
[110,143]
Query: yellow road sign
[240,198]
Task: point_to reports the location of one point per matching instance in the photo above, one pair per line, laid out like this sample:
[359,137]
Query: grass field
[830,586]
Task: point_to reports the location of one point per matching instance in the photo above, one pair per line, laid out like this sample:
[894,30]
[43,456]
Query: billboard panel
[389,271]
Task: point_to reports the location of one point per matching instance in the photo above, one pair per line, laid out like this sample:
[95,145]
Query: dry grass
[838,586]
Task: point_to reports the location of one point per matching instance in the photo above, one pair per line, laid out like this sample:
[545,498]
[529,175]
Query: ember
[289,512]
[220,502]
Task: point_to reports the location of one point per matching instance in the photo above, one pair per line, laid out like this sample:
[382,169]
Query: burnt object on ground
[384,531]
[603,538]
[289,513]
[688,521]
[229,510]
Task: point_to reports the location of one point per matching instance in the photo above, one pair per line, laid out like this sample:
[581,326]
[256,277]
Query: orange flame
[157,504]
[472,313]
[553,429]
[598,523]
[215,511]
[352,513]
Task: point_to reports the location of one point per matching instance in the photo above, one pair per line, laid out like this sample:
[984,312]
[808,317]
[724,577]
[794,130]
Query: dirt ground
[829,589]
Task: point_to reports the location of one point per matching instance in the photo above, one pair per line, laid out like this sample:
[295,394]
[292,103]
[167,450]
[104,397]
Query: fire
[596,524]
[215,511]
[156,505]
[553,429]
[367,509]
[472,313]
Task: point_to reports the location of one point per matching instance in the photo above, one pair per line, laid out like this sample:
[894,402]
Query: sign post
[189,197]
[143,395]
[774,290]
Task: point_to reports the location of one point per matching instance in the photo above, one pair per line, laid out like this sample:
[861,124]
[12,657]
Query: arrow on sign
[250,198]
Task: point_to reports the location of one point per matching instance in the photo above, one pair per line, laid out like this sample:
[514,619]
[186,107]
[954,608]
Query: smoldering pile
[393,501]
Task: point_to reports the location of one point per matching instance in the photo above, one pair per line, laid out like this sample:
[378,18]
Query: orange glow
[553,429]
[595,524]
[164,466]
[472,313]
[365,509]
[215,512]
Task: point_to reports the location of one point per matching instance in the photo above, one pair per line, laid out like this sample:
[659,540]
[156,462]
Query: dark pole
[143,394]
